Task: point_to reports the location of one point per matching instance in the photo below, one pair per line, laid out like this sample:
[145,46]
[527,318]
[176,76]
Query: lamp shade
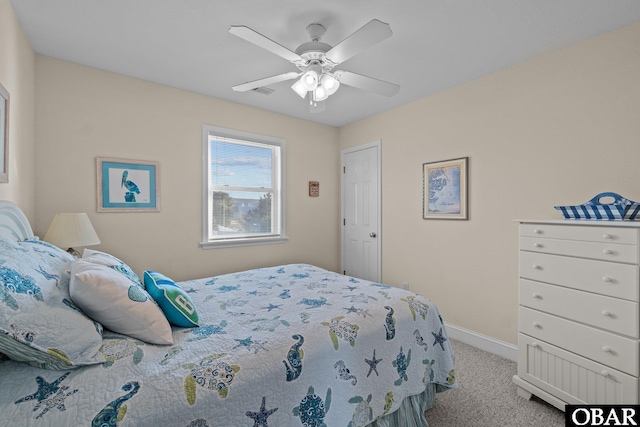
[71,229]
[309,79]
[330,83]
[299,88]
[320,94]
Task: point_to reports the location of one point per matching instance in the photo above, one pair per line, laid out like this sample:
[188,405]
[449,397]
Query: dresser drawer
[572,378]
[601,277]
[600,251]
[613,314]
[603,347]
[580,232]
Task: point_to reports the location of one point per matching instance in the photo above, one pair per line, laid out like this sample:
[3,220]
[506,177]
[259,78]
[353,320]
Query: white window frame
[278,216]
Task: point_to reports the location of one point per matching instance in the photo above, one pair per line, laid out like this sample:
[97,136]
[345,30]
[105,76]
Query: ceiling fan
[316,60]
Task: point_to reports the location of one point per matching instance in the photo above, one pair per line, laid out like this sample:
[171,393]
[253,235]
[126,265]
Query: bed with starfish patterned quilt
[291,345]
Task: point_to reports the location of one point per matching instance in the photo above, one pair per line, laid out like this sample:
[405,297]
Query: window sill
[232,243]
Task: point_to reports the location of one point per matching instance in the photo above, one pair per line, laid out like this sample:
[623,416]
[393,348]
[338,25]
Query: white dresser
[578,319]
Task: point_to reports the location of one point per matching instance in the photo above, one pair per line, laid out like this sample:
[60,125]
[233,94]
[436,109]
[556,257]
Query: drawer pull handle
[606,313]
[608,252]
[537,296]
[537,231]
[537,325]
[537,245]
[535,345]
[604,373]
[607,279]
[606,349]
[537,267]
[607,236]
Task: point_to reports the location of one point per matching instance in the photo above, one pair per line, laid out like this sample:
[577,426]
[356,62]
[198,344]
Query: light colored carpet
[486,396]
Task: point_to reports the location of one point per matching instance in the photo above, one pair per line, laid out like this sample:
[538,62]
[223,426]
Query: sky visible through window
[240,165]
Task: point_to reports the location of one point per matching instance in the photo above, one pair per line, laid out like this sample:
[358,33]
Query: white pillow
[103,258]
[117,302]
[39,324]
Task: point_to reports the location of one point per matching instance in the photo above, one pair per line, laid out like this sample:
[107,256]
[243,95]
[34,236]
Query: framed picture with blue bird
[128,185]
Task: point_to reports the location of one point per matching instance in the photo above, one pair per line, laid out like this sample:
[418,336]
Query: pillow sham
[118,302]
[172,299]
[108,260]
[39,324]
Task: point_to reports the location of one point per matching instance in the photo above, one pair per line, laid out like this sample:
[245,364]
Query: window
[243,184]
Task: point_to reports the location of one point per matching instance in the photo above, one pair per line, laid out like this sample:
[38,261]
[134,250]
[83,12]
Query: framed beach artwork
[445,189]
[4,134]
[128,185]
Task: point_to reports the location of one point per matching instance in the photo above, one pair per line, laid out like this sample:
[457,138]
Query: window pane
[240,213]
[240,165]
[244,191]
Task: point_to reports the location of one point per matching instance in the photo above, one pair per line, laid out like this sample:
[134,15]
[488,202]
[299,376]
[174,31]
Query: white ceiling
[436,44]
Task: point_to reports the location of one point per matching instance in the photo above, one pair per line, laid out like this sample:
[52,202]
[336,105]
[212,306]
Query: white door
[361,212]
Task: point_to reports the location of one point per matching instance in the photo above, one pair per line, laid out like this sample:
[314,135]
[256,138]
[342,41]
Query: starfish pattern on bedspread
[373,364]
[250,344]
[260,418]
[273,307]
[49,394]
[439,339]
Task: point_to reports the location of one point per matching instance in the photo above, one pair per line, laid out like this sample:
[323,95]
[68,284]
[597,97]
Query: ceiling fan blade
[259,40]
[266,81]
[368,35]
[367,83]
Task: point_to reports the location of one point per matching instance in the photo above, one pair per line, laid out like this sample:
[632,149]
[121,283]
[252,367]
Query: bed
[289,345]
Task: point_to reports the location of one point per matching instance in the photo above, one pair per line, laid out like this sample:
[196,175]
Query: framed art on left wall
[4,134]
[128,185]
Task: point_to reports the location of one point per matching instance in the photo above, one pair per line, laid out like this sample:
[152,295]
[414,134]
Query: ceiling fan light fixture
[310,79]
[299,88]
[320,93]
[329,83]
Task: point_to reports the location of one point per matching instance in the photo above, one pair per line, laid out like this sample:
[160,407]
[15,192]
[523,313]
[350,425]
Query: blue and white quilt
[293,345]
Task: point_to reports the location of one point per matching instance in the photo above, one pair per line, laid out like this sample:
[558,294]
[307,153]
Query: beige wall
[556,130]
[17,75]
[83,113]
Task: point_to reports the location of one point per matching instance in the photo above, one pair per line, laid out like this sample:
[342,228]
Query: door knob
[373,234]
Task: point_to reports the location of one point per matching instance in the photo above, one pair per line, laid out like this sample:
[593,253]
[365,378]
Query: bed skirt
[411,411]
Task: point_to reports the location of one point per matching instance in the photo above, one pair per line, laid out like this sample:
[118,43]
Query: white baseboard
[483,342]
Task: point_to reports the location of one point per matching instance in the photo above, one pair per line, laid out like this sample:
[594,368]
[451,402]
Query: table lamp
[71,229]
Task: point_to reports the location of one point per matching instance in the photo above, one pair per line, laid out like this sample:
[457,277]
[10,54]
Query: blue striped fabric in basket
[619,209]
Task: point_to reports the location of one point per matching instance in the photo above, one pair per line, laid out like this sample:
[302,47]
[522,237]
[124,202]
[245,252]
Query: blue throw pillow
[172,299]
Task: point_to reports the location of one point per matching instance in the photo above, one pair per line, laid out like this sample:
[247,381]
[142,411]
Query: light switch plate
[314,188]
